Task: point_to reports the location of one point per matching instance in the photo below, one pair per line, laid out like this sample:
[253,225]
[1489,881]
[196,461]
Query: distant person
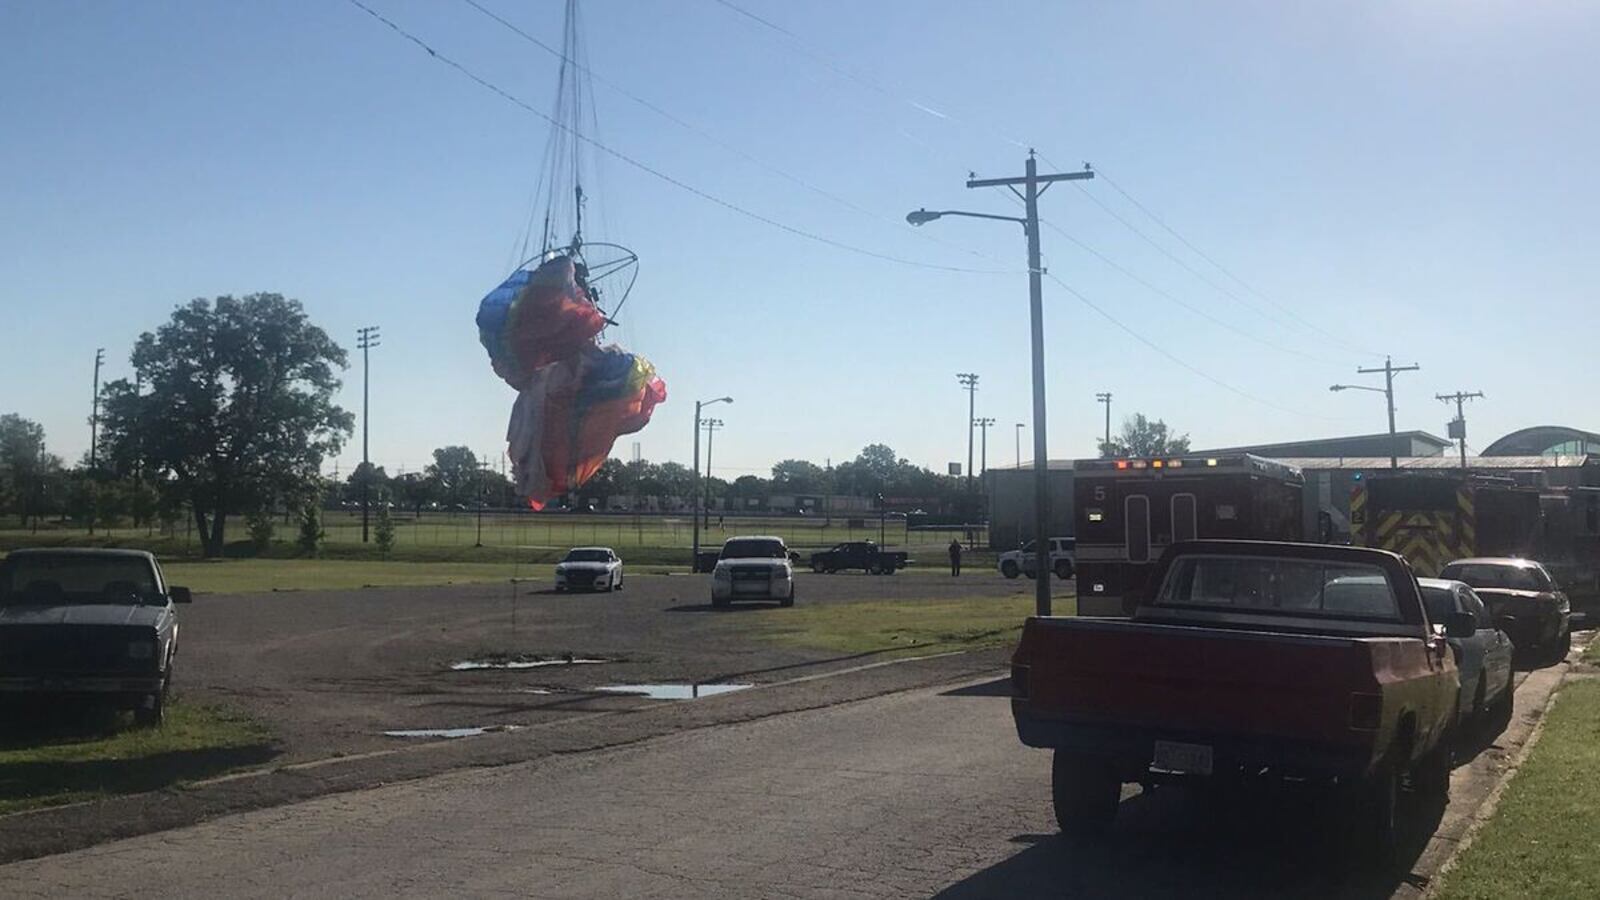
[955,557]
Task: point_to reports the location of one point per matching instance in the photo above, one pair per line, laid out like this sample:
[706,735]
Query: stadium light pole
[694,501]
[1033,185]
[969,383]
[1018,433]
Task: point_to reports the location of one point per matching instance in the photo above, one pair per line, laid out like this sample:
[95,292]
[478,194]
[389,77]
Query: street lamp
[1020,426]
[1389,370]
[694,503]
[1032,184]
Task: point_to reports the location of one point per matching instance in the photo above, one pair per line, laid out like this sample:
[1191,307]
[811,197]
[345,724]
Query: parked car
[864,555]
[1522,590]
[1023,561]
[589,569]
[1245,661]
[758,567]
[88,624]
[1484,659]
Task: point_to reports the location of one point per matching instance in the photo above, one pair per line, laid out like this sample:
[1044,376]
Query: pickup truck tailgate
[1167,680]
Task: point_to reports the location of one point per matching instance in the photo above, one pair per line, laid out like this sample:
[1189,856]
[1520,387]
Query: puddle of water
[673,691]
[448,732]
[470,665]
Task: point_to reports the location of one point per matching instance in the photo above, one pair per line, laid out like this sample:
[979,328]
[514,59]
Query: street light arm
[1355,387]
[923,216]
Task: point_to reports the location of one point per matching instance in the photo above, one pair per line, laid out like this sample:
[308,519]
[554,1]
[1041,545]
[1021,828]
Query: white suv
[753,568]
[1063,559]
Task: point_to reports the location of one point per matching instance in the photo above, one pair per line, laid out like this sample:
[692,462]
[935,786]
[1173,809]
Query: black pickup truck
[88,624]
[864,555]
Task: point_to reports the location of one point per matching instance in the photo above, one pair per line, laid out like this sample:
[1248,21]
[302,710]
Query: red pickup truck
[1246,660]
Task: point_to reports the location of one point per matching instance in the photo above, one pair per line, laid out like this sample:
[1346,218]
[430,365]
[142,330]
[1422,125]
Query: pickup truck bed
[1258,699]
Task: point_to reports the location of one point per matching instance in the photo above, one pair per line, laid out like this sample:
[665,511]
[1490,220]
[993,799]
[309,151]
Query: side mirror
[1461,625]
[1505,623]
[794,556]
[180,595]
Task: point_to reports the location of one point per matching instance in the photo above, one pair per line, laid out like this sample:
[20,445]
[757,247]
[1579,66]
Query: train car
[1126,512]
[1431,519]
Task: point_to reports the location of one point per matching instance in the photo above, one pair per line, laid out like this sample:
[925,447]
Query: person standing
[955,557]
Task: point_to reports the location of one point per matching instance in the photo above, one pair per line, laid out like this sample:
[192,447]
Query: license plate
[750,587]
[1173,756]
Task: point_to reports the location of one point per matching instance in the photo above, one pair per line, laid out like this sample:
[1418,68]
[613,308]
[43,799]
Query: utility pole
[1105,397]
[94,415]
[1018,435]
[694,496]
[711,426]
[1033,185]
[969,383]
[366,339]
[1389,369]
[1458,428]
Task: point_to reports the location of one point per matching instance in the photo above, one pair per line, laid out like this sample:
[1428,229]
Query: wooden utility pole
[1458,428]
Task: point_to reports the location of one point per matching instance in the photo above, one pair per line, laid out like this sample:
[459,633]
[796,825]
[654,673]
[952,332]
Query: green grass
[907,626]
[1541,841]
[1591,653]
[63,762]
[242,576]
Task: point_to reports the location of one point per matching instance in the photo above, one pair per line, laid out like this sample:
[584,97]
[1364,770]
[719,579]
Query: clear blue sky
[1416,177]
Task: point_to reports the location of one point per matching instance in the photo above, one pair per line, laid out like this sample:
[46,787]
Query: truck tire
[1063,569]
[154,710]
[1504,708]
[1010,569]
[1431,775]
[818,566]
[789,600]
[1085,792]
[1375,821]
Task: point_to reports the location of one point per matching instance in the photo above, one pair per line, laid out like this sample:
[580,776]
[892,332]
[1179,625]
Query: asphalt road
[331,671]
[920,793]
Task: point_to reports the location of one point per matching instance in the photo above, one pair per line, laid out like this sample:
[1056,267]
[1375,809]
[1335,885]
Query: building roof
[1540,438]
[1288,448]
[1440,462]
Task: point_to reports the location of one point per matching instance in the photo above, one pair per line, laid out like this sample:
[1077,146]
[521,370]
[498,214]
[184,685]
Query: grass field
[1541,841]
[71,760]
[242,576]
[912,626]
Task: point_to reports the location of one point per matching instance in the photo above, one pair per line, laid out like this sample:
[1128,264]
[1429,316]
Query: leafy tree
[675,481]
[261,528]
[798,476]
[415,490]
[143,501]
[383,532]
[1142,437]
[238,406]
[311,533]
[456,471]
[24,466]
[366,474]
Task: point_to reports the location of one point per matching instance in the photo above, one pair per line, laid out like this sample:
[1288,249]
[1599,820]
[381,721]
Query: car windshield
[753,549]
[76,579]
[1499,575]
[598,556]
[1279,586]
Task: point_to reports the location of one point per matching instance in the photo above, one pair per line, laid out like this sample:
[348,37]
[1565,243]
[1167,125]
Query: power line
[657,173]
[1178,360]
[705,135]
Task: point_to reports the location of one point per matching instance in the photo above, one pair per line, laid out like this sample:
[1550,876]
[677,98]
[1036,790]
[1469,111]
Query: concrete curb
[61,829]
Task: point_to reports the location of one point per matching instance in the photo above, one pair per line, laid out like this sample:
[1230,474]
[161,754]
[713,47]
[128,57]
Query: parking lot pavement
[331,671]
[924,792]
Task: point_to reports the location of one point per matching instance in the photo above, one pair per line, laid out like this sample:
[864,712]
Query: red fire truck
[1126,511]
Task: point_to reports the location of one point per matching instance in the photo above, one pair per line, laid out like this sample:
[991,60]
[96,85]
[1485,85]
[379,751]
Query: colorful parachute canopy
[535,318]
[574,398]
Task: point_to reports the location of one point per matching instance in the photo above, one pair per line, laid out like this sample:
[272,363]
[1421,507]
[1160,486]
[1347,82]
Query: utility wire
[657,173]
[702,133]
[1177,360]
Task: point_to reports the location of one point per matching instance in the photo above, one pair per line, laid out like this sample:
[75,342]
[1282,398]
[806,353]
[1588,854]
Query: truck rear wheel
[1431,777]
[818,566]
[1010,569]
[1376,830]
[1085,792]
[1063,570]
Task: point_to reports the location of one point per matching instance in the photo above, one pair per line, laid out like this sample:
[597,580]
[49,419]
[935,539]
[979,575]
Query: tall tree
[455,468]
[1142,437]
[24,466]
[799,476]
[236,407]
